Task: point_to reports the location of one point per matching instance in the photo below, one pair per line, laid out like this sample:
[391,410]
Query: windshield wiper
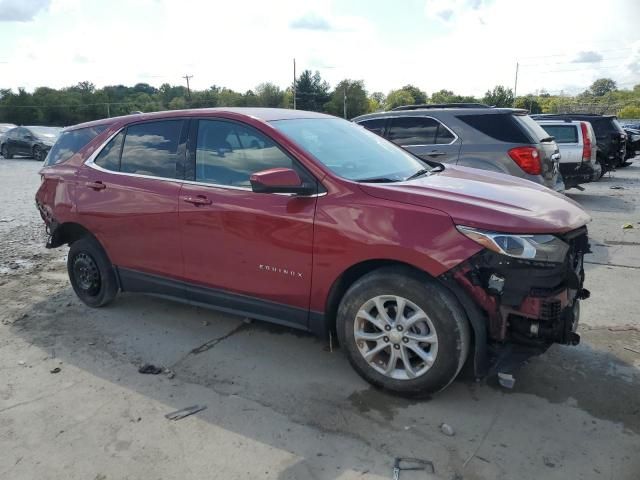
[378,180]
[547,139]
[419,173]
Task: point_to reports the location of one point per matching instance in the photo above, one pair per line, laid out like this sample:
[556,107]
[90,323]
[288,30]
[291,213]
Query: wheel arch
[478,354]
[67,233]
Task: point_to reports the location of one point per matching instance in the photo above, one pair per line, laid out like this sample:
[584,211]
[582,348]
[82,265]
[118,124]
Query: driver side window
[228,153]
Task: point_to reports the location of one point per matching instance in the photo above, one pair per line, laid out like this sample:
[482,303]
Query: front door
[253,250]
[128,197]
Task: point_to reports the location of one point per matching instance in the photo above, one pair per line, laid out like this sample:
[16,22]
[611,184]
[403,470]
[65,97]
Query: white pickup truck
[577,143]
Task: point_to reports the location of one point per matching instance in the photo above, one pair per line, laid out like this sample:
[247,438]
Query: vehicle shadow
[602,203]
[295,376]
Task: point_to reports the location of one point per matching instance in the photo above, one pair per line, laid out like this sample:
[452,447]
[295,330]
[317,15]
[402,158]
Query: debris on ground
[447,429]
[632,350]
[506,380]
[150,369]
[6,220]
[205,323]
[624,328]
[55,370]
[548,462]
[185,412]
[400,464]
[169,373]
[617,187]
[22,363]
[627,226]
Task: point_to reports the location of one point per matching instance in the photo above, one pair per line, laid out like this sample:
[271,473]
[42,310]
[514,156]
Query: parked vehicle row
[311,221]
[32,142]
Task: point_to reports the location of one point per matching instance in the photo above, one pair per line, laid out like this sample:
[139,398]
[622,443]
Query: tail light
[527,158]
[586,142]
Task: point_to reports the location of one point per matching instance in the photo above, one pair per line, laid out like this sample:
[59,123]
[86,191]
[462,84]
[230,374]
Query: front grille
[550,310]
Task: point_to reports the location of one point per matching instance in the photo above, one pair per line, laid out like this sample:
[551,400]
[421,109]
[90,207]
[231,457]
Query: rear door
[243,245]
[568,138]
[19,142]
[375,125]
[425,137]
[127,195]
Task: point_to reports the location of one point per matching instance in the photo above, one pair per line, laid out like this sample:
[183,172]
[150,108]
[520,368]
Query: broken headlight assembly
[540,247]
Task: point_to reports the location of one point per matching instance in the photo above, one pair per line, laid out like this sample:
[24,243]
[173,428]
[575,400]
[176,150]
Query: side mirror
[280,180]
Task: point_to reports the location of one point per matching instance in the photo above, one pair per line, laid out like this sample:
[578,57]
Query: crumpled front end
[525,301]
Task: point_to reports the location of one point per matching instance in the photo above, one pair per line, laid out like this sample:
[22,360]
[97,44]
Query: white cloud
[587,57]
[21,10]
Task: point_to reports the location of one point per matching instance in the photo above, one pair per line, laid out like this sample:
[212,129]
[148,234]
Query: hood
[487,200]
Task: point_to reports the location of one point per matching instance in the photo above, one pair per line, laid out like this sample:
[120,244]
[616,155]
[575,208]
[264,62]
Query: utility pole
[108,111]
[187,78]
[515,86]
[344,102]
[294,83]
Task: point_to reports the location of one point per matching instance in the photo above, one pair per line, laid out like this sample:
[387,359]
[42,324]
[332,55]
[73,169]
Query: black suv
[610,137]
[504,140]
[34,142]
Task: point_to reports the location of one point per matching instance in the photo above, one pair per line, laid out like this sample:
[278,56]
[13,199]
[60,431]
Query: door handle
[436,153]
[98,185]
[198,200]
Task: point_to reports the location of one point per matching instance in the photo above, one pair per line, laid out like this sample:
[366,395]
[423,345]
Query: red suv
[311,221]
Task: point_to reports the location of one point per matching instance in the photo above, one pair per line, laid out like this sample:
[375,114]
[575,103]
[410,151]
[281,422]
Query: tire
[38,154]
[91,273]
[5,152]
[445,331]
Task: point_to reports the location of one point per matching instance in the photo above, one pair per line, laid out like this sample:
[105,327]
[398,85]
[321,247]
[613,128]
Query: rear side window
[228,153]
[152,148]
[499,126]
[70,143]
[109,157]
[444,135]
[562,133]
[413,130]
[375,125]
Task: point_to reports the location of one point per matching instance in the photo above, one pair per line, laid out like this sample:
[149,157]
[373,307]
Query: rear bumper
[577,173]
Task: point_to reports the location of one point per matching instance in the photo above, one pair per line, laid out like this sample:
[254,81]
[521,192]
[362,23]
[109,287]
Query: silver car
[504,140]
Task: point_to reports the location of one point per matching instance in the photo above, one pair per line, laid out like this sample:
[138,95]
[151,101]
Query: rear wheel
[38,154]
[91,273]
[403,331]
[5,152]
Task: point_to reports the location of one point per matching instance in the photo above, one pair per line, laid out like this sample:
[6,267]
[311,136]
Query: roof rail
[440,105]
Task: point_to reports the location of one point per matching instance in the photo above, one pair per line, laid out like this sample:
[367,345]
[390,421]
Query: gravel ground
[280,405]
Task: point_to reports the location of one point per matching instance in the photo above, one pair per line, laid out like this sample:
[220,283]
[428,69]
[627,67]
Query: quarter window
[375,125]
[413,131]
[72,142]
[109,157]
[444,136]
[228,153]
[152,148]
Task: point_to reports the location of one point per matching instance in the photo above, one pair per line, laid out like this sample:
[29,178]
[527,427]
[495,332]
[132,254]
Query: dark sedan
[32,142]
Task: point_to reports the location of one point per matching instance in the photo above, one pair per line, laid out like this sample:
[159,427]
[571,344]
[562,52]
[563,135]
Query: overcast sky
[463,45]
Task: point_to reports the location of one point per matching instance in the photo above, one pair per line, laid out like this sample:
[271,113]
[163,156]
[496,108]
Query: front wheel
[91,273]
[402,331]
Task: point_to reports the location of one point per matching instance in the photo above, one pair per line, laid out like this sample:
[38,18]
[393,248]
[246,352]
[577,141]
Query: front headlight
[543,248]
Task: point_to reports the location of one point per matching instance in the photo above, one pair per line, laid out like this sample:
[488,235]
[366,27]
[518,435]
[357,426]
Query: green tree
[311,91]
[528,102]
[419,97]
[602,86]
[270,95]
[499,97]
[397,98]
[357,102]
[630,111]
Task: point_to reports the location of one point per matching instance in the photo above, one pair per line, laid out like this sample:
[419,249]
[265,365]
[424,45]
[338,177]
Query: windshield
[349,150]
[47,132]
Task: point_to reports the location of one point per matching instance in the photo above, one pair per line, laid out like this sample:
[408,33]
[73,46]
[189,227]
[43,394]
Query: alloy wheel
[396,337]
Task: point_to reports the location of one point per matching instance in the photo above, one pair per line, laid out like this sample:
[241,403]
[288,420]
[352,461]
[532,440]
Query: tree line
[84,102]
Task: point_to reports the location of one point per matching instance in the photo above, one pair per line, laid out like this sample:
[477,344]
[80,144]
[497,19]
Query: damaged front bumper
[527,302]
